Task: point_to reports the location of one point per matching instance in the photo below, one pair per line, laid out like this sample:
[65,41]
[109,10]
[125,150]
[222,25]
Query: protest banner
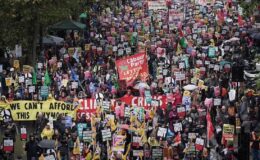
[228,131]
[157,5]
[28,110]
[132,67]
[88,106]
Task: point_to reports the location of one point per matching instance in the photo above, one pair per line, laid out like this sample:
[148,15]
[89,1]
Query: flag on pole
[47,79]
[34,77]
[210,128]
[240,20]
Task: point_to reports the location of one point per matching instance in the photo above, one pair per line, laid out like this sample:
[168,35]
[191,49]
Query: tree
[22,21]
[249,6]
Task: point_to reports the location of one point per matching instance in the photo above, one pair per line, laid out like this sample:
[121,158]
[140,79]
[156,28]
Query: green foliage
[249,7]
[20,20]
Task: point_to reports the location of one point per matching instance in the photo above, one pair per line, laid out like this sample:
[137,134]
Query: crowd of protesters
[204,44]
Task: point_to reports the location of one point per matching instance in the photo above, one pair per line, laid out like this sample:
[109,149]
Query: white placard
[106,106]
[217,101]
[181,109]
[21,79]
[216,67]
[161,132]
[128,50]
[177,127]
[40,65]
[181,65]
[31,89]
[74,85]
[191,135]
[179,76]
[127,112]
[199,141]
[114,48]
[106,135]
[8,142]
[59,64]
[23,130]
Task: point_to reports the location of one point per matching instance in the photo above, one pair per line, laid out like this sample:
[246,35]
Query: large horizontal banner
[28,110]
[133,67]
[89,106]
[157,5]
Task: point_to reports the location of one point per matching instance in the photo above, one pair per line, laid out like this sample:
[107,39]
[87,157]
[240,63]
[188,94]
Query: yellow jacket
[47,133]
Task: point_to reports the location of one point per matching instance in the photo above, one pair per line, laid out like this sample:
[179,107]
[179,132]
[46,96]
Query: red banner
[132,67]
[88,106]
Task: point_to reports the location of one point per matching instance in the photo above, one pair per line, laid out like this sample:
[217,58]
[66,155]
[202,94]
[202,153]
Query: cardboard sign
[177,127]
[8,146]
[23,133]
[106,135]
[162,132]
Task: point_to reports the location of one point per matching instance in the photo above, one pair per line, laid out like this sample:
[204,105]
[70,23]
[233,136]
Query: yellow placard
[16,64]
[27,69]
[28,110]
[87,47]
[8,82]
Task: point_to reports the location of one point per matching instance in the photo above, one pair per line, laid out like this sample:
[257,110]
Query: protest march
[142,80]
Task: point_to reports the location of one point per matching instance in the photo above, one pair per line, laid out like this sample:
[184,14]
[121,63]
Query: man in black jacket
[32,149]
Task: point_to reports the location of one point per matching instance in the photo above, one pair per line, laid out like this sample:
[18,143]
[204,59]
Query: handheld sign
[23,133]
[8,146]
[106,135]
